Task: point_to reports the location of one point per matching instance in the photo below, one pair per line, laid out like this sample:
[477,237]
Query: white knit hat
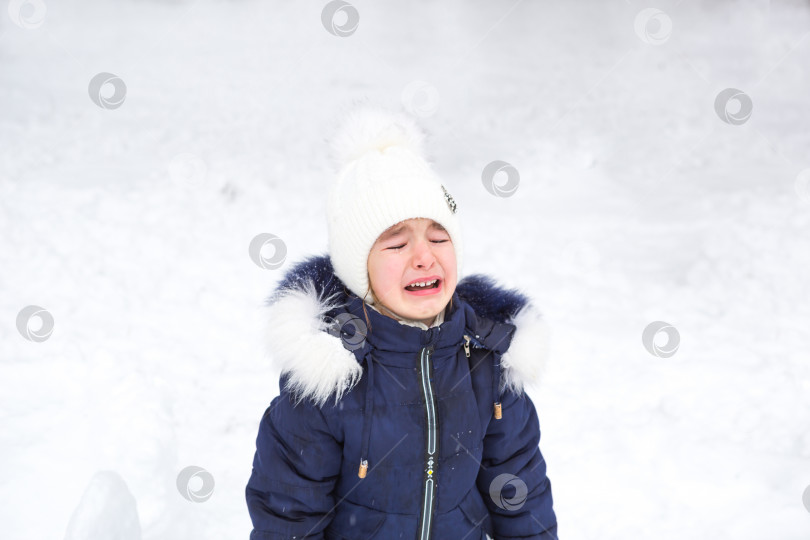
[382,178]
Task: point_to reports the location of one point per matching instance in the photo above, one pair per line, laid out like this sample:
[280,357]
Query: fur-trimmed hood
[317,363]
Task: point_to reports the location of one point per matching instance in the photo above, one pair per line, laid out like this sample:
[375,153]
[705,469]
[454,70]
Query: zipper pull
[467,345]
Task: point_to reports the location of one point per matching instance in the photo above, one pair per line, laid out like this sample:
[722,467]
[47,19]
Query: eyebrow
[395,231]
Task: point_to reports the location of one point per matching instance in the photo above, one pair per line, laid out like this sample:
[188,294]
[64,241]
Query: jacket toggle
[496,405]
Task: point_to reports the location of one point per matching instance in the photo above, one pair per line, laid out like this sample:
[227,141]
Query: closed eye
[434,241]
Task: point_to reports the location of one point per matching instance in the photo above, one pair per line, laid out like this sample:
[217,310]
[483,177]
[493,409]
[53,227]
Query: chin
[432,307]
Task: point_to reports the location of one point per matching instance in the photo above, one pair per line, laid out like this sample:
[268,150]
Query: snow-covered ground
[636,204]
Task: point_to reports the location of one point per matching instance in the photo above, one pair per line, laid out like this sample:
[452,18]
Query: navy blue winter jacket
[390,431]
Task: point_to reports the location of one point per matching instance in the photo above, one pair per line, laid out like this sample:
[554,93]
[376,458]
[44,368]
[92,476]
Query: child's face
[410,251]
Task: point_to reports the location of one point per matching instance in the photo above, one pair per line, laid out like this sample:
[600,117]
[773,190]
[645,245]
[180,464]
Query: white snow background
[636,204]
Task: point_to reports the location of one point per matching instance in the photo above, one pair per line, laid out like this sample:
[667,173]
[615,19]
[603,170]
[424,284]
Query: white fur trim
[318,363]
[525,360]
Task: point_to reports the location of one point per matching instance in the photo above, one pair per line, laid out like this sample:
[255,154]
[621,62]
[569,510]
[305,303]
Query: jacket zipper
[431,457]
[467,340]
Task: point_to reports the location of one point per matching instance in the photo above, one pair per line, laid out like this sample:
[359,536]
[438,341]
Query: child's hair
[375,301]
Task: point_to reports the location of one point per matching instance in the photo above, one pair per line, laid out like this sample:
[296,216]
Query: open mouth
[434,284]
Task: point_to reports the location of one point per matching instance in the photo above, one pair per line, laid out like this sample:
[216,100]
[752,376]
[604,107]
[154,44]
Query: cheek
[387,276]
[448,259]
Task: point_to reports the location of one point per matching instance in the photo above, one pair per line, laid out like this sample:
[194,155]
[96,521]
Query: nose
[423,256]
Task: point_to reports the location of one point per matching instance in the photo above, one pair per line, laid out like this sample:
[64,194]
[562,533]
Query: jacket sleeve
[512,478]
[295,468]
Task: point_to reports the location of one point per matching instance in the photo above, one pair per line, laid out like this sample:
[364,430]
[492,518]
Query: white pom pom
[369,127]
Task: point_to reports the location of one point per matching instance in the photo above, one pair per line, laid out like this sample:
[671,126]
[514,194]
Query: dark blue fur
[486,297]
[489,300]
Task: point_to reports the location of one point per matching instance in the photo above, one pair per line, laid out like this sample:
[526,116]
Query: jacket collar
[401,341]
[302,339]
[419,324]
